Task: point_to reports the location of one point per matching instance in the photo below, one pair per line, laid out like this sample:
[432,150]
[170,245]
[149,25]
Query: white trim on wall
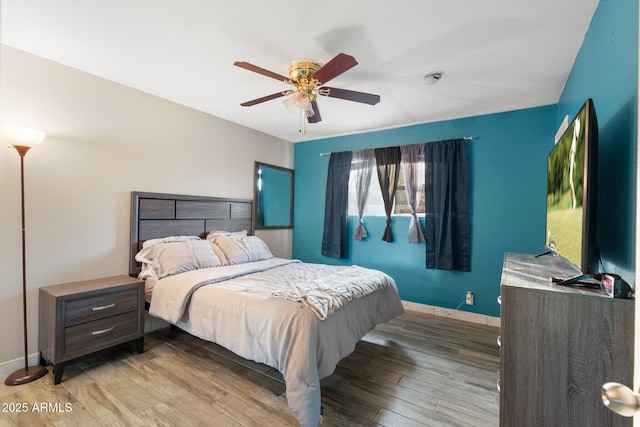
[452,313]
[6,368]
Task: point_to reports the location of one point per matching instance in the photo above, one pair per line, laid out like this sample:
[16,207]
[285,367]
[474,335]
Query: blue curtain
[447,205]
[335,238]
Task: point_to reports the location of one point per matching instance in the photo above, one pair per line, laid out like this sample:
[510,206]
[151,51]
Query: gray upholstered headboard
[156,215]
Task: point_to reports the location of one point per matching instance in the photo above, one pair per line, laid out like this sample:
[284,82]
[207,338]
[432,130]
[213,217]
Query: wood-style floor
[417,370]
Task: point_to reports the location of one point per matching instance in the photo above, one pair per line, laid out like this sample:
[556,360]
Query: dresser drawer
[99,307]
[103,333]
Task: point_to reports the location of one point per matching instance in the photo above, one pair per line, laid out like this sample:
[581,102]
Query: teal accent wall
[606,70]
[507,161]
[507,164]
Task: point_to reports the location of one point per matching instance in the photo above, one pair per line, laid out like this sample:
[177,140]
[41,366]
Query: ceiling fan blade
[349,95]
[316,116]
[264,98]
[259,70]
[338,65]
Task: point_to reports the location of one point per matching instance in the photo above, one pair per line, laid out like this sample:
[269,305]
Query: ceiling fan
[307,79]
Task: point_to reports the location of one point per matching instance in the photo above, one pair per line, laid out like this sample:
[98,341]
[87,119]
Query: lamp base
[23,376]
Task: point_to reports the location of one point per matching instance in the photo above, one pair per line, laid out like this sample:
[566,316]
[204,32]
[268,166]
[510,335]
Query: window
[375,205]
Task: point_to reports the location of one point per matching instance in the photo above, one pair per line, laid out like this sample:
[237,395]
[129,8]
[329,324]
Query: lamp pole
[22,151]
[28,373]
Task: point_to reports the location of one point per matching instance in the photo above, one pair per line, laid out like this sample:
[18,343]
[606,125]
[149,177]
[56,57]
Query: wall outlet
[470,298]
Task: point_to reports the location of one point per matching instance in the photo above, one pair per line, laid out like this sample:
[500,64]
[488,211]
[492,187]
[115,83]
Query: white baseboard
[9,367]
[452,313]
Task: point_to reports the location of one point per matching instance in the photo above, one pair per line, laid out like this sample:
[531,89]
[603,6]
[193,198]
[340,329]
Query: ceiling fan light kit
[307,79]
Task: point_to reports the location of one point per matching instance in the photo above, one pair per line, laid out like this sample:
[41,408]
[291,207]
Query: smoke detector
[432,78]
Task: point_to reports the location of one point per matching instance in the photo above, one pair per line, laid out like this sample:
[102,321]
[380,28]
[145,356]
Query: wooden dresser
[559,345]
[81,318]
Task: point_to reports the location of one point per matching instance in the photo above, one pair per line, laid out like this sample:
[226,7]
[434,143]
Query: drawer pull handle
[499,340]
[103,331]
[498,385]
[104,307]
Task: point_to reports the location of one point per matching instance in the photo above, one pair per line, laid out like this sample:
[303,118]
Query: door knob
[620,399]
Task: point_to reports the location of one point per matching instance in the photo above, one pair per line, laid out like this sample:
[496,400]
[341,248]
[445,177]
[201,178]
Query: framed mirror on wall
[272,197]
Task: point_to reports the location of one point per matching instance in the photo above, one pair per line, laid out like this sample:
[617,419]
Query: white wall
[104,140]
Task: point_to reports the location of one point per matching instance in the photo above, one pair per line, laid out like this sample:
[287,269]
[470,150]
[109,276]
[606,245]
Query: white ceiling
[496,55]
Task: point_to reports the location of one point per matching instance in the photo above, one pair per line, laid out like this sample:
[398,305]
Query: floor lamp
[22,140]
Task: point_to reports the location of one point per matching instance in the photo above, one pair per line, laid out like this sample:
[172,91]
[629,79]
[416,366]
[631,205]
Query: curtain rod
[466,138]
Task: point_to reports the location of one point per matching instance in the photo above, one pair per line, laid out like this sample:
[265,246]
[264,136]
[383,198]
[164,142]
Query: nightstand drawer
[98,307]
[92,336]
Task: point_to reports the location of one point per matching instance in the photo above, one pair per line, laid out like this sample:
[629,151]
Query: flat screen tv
[572,180]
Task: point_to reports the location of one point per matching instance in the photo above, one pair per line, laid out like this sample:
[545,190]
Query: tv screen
[572,192]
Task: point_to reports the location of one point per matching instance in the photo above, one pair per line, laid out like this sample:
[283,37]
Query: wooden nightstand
[81,318]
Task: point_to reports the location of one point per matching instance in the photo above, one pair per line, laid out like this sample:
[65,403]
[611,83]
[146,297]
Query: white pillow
[178,257]
[221,256]
[215,233]
[145,255]
[241,249]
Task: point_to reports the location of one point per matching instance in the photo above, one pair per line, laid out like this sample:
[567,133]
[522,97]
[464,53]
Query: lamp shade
[21,137]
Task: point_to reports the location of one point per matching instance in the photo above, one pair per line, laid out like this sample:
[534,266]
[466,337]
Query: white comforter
[235,307]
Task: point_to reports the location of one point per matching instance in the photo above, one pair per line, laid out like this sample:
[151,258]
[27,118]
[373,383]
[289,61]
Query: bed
[299,318]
